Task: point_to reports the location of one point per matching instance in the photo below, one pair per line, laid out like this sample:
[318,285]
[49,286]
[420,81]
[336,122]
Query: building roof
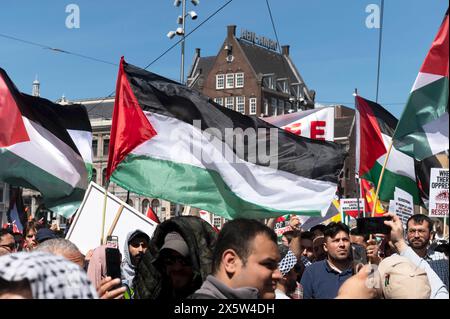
[265,61]
[200,71]
[97,108]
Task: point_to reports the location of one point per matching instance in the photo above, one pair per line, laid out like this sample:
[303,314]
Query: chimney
[197,52]
[231,31]
[285,50]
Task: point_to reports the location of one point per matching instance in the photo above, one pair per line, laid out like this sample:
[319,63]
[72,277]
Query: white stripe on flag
[398,163]
[424,79]
[83,141]
[178,141]
[437,134]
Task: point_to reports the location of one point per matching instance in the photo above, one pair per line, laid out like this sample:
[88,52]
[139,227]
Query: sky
[329,40]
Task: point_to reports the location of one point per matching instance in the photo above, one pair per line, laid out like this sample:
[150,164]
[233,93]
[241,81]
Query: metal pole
[182,43]
[379,48]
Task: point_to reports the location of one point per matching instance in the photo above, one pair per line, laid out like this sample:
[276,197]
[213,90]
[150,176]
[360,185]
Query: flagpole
[381,178]
[104,213]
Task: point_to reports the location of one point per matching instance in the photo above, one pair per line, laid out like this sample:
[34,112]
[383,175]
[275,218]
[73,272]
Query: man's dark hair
[333,229]
[238,235]
[307,235]
[355,232]
[291,234]
[319,227]
[419,219]
[5,231]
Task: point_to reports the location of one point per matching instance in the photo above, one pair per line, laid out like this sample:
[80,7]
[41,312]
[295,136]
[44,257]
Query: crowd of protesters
[188,258]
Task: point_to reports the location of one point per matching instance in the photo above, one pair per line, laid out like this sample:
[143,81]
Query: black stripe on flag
[43,112]
[386,121]
[298,155]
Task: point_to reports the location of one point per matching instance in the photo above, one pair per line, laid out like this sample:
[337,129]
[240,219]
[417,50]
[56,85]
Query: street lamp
[181,21]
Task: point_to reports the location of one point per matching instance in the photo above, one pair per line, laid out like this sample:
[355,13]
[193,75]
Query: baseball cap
[174,241]
[401,279]
[44,234]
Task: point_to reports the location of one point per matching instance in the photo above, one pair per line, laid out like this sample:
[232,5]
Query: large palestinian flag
[375,128]
[423,127]
[170,142]
[44,146]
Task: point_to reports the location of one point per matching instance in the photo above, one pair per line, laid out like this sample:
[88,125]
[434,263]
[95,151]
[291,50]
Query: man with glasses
[7,242]
[418,230]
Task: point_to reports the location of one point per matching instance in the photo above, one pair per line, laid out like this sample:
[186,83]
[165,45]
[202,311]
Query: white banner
[438,206]
[349,206]
[315,124]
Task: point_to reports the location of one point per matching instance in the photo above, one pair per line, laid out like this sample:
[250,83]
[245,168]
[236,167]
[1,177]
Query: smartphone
[359,257]
[373,225]
[112,242]
[113,261]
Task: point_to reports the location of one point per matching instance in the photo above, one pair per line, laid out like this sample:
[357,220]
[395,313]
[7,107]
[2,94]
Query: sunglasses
[171,260]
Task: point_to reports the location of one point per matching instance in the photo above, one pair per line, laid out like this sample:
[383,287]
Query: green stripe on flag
[189,185]
[390,181]
[424,106]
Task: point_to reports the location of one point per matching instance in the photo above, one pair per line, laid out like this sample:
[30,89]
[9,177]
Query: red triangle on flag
[436,61]
[130,127]
[13,129]
[151,214]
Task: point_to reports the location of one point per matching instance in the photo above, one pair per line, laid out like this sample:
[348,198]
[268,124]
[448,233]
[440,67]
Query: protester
[438,289]
[322,279]
[40,275]
[317,230]
[245,263]
[44,234]
[135,247]
[418,230]
[318,250]
[107,288]
[30,236]
[288,282]
[7,242]
[307,246]
[62,247]
[169,271]
[370,245]
[438,231]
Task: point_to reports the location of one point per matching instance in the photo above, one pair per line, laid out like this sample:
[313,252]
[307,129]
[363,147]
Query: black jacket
[150,281]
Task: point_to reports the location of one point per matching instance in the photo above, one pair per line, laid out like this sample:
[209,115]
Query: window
[94,175]
[240,80]
[280,107]
[252,105]
[219,100]
[274,106]
[266,107]
[145,206]
[240,104]
[268,82]
[229,102]
[94,147]
[230,81]
[282,85]
[104,177]
[105,146]
[220,81]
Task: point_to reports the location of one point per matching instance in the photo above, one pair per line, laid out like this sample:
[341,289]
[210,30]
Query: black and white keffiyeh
[287,263]
[50,276]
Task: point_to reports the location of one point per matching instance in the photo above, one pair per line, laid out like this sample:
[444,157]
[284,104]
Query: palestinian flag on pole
[41,147]
[375,128]
[168,141]
[422,131]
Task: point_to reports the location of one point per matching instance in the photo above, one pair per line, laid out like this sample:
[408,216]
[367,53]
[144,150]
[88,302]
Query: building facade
[250,76]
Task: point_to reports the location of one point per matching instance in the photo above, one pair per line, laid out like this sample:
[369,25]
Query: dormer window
[268,81]
[282,85]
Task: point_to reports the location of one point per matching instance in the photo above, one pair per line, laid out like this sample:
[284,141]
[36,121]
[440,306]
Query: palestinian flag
[375,128]
[41,147]
[170,142]
[423,127]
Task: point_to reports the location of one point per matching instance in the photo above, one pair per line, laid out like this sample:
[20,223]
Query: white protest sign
[392,205]
[316,124]
[438,206]
[349,206]
[404,205]
[86,229]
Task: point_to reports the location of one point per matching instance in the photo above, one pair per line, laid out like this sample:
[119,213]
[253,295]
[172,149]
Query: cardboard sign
[404,205]
[85,231]
[438,206]
[349,206]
